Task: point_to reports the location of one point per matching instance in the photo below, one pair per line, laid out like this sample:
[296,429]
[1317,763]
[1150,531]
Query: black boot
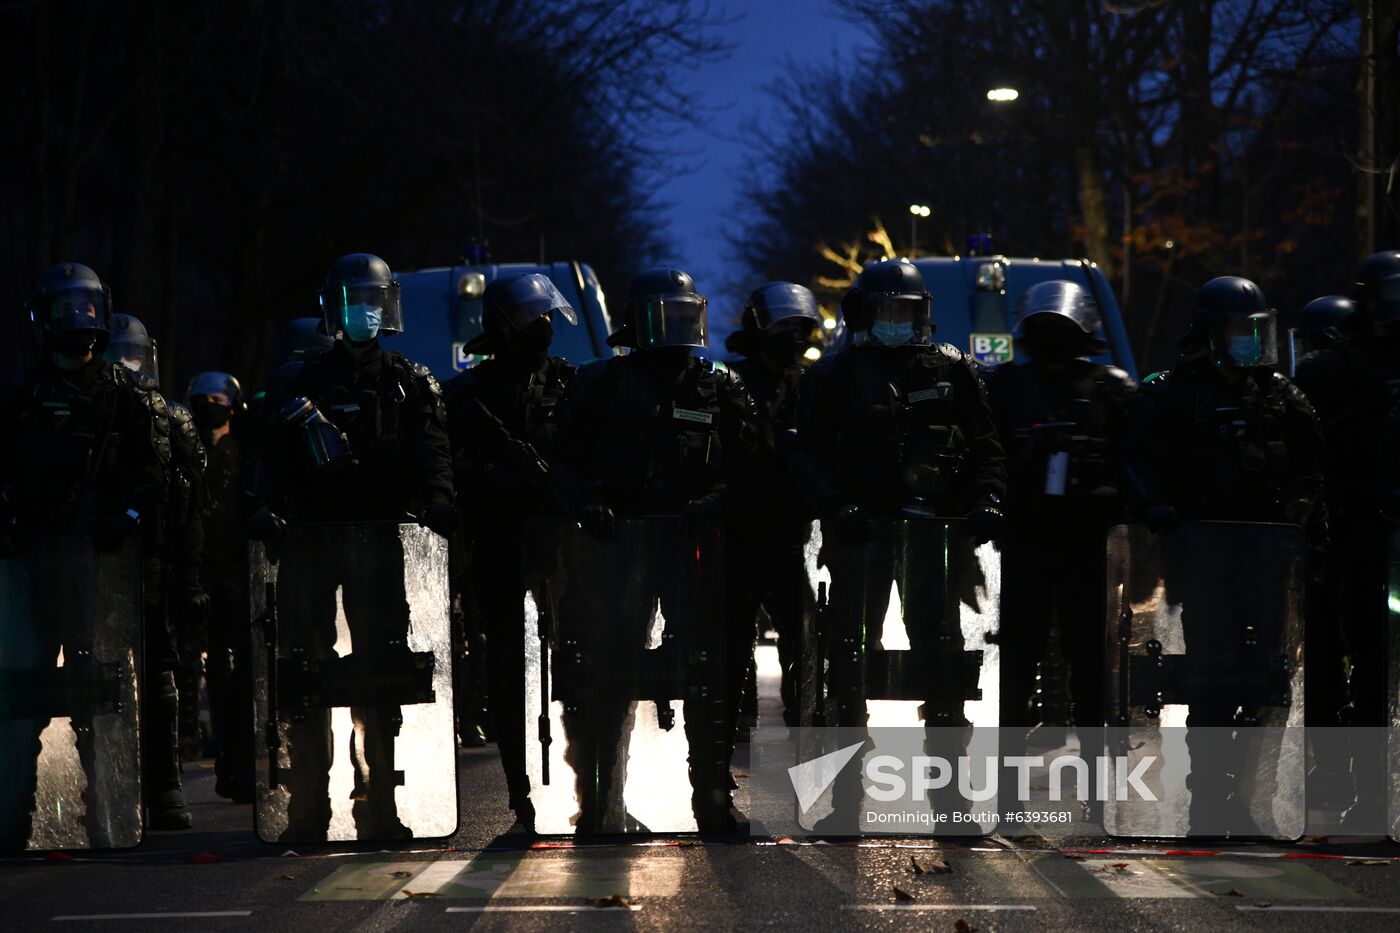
[165,798]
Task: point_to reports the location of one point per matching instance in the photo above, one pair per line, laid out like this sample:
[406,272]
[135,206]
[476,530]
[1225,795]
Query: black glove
[985,523]
[1162,520]
[599,522]
[110,530]
[851,525]
[196,607]
[699,516]
[266,526]
[440,518]
[1297,512]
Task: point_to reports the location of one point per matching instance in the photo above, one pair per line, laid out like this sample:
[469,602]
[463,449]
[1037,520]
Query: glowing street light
[1003,95]
[915,212]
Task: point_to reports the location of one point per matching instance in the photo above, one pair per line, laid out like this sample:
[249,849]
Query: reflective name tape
[699,417]
[942,390]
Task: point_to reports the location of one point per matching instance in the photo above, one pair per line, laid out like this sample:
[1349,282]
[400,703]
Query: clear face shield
[670,321]
[531,297]
[136,355]
[896,320]
[1244,342]
[75,309]
[363,312]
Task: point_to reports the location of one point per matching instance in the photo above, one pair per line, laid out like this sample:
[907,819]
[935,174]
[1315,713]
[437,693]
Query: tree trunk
[1093,204]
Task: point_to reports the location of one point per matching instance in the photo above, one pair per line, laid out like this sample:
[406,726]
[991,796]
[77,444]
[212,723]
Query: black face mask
[209,415]
[1054,342]
[533,340]
[74,343]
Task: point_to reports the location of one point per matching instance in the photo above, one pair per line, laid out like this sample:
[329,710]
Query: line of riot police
[606,535]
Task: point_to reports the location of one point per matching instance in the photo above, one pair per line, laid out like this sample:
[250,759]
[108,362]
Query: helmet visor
[136,355]
[75,309]
[783,302]
[531,297]
[670,321]
[1244,342]
[359,300]
[899,309]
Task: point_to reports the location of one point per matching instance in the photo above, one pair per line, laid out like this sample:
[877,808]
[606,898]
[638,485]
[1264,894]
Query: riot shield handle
[271,733]
[545,625]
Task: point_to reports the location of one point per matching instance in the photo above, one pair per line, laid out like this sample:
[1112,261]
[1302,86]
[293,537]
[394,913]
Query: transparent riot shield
[352,679]
[1392,605]
[1204,685]
[70,636]
[629,713]
[907,625]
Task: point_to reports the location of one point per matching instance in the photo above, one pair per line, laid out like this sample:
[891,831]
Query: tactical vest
[899,429]
[1228,453]
[659,445]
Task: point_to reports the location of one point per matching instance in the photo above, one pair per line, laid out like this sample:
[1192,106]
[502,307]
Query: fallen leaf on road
[1075,856]
[1263,903]
[421,894]
[1315,840]
[962,926]
[1369,861]
[402,874]
[902,895]
[613,900]
[930,867]
[1233,892]
[289,877]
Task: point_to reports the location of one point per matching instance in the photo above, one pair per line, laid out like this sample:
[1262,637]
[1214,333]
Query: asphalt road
[219,877]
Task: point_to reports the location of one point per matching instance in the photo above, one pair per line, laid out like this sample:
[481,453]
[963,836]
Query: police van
[442,313]
[975,298]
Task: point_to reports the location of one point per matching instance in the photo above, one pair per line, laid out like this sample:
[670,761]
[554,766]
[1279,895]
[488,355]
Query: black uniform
[1238,445]
[500,417]
[658,432]
[768,566]
[1068,418]
[86,450]
[884,428]
[224,572]
[391,412]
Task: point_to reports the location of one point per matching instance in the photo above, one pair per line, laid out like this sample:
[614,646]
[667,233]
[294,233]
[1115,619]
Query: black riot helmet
[518,306]
[302,337]
[783,316]
[664,310]
[889,304]
[215,383]
[1328,313]
[360,299]
[1377,292]
[71,300]
[131,345]
[1241,327]
[1058,318]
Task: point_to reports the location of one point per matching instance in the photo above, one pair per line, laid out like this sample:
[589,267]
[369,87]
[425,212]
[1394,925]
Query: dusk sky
[766,37]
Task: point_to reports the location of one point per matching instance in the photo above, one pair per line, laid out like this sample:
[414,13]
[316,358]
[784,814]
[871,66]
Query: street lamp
[915,212]
[1003,95]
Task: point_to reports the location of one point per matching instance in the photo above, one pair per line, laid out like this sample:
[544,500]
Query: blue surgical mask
[1245,351]
[362,322]
[890,334]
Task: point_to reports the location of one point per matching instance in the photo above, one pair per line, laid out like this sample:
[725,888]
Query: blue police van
[442,312]
[975,298]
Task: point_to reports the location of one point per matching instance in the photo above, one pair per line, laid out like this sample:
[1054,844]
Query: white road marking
[186,915]
[938,907]
[539,908]
[1320,910]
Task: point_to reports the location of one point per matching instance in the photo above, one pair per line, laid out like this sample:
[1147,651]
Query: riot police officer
[183,601]
[215,400]
[500,418]
[384,458]
[89,450]
[893,425]
[779,335]
[1355,386]
[1061,418]
[1222,437]
[660,431]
